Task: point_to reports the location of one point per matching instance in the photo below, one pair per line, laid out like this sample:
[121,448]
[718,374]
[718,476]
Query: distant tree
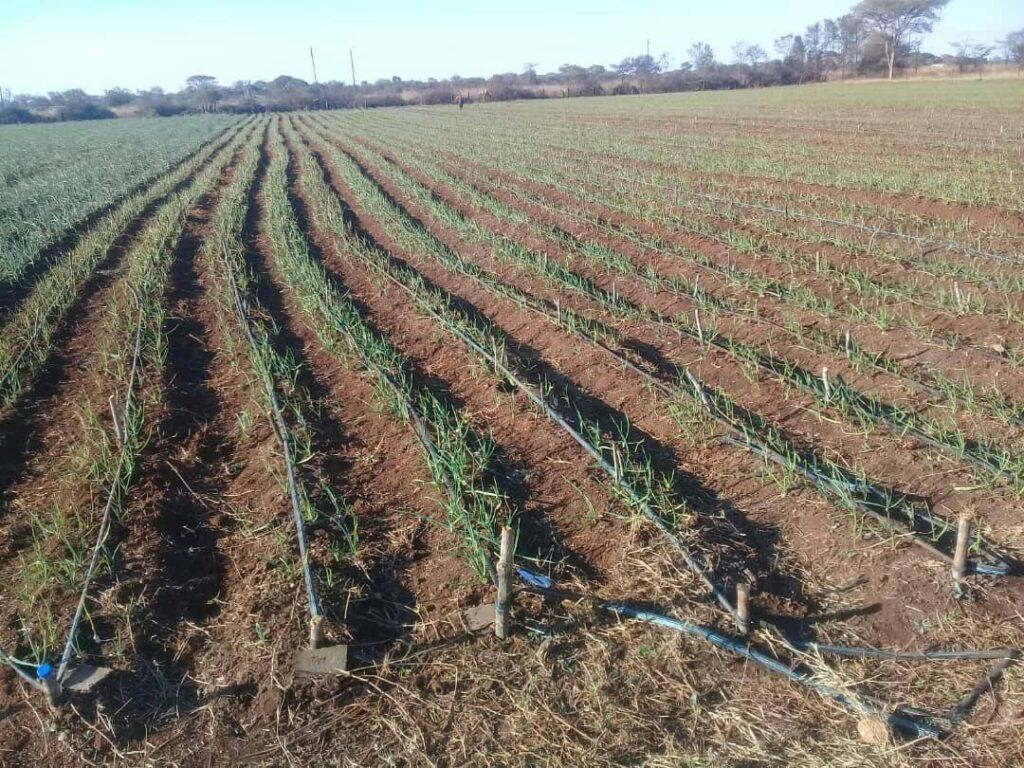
[198,82]
[783,45]
[830,42]
[812,40]
[118,97]
[624,68]
[647,65]
[203,92]
[286,92]
[851,37]
[702,56]
[580,81]
[572,71]
[751,55]
[155,102]
[797,56]
[971,56]
[897,20]
[1013,44]
[76,104]
[246,92]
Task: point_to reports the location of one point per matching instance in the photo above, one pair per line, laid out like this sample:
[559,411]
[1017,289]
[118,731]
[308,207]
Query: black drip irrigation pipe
[37,333]
[540,402]
[1001,566]
[284,436]
[108,509]
[900,722]
[915,724]
[997,565]
[422,434]
[886,655]
[42,670]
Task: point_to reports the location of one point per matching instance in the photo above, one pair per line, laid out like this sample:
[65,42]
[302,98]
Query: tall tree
[897,20]
[702,55]
[1013,44]
[203,92]
[971,55]
[749,54]
[851,35]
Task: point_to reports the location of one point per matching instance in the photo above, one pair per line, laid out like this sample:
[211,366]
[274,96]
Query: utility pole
[352,61]
[313,60]
[648,47]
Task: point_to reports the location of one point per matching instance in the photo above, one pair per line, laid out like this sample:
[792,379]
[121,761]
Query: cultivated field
[298,371]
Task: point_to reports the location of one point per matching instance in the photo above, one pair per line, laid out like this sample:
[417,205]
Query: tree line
[875,37]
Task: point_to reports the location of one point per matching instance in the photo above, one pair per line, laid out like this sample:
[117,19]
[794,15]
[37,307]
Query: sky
[48,45]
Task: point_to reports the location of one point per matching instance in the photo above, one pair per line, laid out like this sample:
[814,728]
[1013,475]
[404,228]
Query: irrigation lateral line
[610,470]
[859,705]
[854,403]
[216,145]
[900,722]
[920,241]
[855,489]
[887,655]
[10,661]
[492,282]
[284,436]
[112,494]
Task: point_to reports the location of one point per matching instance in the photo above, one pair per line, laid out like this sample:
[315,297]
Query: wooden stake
[700,328]
[317,638]
[118,417]
[963,538]
[743,608]
[825,383]
[848,344]
[504,601]
[52,688]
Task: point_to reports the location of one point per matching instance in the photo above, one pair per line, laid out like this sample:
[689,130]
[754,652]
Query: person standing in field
[460,100]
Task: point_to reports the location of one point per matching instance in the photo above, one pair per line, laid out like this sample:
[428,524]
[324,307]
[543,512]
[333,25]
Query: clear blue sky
[50,45]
